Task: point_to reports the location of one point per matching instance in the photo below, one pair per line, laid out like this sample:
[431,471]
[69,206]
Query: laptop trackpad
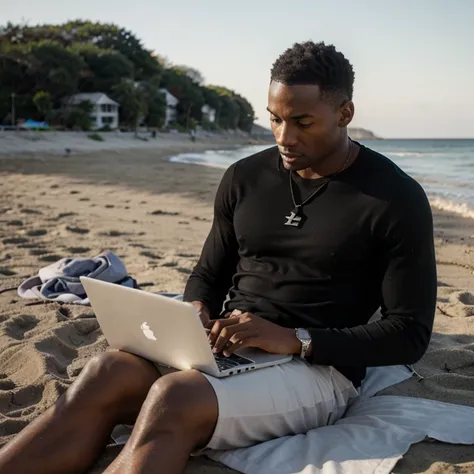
[262,357]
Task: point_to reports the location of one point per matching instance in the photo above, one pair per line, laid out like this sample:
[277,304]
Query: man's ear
[347,113]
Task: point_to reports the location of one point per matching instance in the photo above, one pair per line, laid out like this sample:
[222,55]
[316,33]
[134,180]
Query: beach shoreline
[155,214]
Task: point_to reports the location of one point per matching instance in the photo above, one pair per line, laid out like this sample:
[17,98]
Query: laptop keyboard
[225,363]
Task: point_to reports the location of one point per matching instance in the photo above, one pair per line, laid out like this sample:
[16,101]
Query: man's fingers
[241,340]
[217,326]
[227,333]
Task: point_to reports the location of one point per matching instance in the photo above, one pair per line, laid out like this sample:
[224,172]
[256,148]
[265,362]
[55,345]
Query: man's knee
[187,402]
[111,376]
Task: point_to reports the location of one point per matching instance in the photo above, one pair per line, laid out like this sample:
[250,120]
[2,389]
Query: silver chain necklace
[295,219]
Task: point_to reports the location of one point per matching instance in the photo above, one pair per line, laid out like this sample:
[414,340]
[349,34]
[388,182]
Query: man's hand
[241,330]
[202,312]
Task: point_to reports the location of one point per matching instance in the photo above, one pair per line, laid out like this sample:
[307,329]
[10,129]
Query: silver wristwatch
[305,338]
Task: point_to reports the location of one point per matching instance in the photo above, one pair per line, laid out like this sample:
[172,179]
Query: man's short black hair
[319,64]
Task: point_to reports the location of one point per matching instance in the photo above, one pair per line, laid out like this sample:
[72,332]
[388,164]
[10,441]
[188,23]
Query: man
[309,239]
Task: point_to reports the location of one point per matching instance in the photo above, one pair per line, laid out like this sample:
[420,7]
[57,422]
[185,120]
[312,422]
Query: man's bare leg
[70,435]
[178,416]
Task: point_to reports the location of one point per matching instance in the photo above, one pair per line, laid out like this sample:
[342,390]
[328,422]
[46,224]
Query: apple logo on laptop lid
[147,331]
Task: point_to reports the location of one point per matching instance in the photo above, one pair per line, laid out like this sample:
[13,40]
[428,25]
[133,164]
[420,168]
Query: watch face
[304,335]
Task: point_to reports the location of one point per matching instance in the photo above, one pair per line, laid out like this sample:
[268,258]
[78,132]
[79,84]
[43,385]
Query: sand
[156,215]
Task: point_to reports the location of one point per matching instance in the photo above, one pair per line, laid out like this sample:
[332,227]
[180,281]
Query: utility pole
[13,109]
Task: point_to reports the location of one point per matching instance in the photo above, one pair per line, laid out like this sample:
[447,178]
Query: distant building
[208,113]
[171,103]
[105,110]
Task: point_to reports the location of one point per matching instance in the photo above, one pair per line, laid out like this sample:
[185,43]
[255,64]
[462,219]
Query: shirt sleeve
[211,278]
[409,286]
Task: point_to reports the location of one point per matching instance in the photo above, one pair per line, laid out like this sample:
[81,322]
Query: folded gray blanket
[60,280]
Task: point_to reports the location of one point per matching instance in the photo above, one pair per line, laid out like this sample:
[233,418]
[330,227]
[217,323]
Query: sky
[413,59]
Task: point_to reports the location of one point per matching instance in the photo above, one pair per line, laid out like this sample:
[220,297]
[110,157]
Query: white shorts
[286,399]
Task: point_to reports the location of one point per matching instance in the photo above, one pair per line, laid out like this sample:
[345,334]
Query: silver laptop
[165,331]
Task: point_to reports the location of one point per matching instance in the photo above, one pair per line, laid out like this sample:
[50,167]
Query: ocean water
[445,168]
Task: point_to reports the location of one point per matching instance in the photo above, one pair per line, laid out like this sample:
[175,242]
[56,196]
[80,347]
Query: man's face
[306,128]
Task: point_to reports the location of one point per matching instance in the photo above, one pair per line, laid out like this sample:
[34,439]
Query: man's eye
[274,120]
[304,125]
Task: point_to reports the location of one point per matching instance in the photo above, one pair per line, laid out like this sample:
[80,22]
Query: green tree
[132,102]
[54,68]
[193,74]
[188,93]
[77,116]
[154,107]
[44,104]
[246,114]
[104,67]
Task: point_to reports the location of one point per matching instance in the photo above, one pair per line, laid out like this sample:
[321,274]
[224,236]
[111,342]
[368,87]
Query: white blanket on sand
[372,436]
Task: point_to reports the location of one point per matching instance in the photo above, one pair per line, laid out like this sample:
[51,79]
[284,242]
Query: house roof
[94,97]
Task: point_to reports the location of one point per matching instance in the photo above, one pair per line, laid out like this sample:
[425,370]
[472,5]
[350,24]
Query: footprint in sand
[15,240]
[54,186]
[32,245]
[112,233]
[458,304]
[169,263]
[145,284]
[78,249]
[159,212]
[61,215]
[81,332]
[127,207]
[77,230]
[38,252]
[187,255]
[92,205]
[17,327]
[138,245]
[30,211]
[183,222]
[152,255]
[50,258]
[15,223]
[203,219]
[6,272]
[109,206]
[73,192]
[58,354]
[24,397]
[37,232]
[84,199]
[143,202]
[186,271]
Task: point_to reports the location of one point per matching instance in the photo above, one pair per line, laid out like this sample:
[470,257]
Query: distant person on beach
[310,238]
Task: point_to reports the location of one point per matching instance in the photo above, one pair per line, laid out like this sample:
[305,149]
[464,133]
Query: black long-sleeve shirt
[367,242]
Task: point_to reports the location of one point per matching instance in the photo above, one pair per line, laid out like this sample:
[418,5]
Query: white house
[105,110]
[171,103]
[208,113]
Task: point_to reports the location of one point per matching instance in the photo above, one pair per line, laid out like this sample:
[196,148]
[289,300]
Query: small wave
[405,153]
[457,208]
[197,160]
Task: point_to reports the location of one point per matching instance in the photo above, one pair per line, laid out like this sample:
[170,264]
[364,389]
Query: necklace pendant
[294,219]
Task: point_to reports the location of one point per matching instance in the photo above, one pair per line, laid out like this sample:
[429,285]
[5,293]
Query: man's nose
[286,136]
